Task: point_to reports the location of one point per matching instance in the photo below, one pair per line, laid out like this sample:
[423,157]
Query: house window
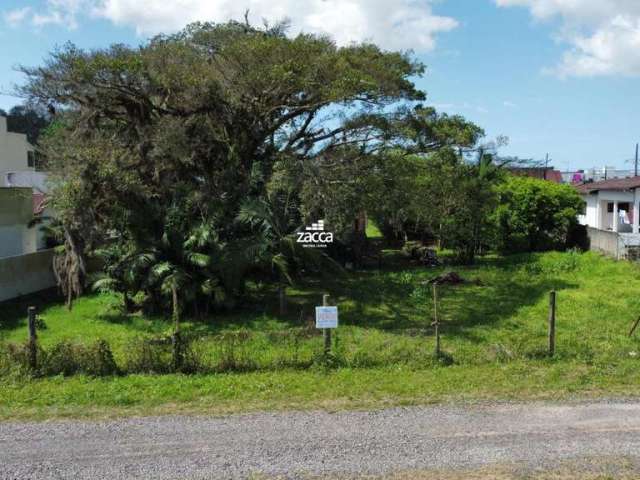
[35,160]
[621,206]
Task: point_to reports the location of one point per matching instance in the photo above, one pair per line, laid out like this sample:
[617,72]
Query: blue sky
[555,76]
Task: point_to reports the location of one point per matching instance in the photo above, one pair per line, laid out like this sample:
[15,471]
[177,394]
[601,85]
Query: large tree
[155,148]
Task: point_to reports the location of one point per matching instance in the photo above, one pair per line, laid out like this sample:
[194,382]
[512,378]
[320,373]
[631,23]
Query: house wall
[24,274]
[596,214]
[16,211]
[13,150]
[590,213]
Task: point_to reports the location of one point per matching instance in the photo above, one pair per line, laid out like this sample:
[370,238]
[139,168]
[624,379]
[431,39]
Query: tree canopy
[161,152]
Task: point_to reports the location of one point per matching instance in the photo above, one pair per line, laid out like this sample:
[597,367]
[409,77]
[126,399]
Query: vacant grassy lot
[494,334]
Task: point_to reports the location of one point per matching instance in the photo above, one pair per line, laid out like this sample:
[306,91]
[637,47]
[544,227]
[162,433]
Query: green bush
[63,358]
[14,359]
[156,355]
[234,353]
[67,358]
[144,355]
[535,215]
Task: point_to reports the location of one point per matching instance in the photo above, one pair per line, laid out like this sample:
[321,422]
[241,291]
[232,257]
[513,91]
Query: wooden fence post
[552,323]
[33,344]
[326,332]
[436,322]
[176,340]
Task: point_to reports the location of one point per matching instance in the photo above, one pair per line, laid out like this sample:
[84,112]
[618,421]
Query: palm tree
[274,220]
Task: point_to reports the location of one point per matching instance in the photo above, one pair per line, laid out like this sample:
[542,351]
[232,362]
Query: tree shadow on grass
[13,313]
[384,301]
[467,307]
[367,298]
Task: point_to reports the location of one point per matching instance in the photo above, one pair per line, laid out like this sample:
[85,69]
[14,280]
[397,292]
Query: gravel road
[298,443]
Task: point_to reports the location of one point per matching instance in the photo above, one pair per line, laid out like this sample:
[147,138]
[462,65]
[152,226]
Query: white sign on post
[326,317]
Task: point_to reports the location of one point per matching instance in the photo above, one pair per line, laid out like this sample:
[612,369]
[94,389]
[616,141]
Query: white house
[612,205]
[16,211]
[19,168]
[25,266]
[16,153]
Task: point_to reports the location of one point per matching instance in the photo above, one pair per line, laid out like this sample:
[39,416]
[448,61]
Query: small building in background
[612,216]
[542,173]
[16,153]
[612,205]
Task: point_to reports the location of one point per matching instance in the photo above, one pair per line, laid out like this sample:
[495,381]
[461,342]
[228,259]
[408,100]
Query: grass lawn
[494,335]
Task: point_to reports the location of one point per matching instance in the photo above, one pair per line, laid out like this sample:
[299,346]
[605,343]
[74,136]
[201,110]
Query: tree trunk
[128,303]
[282,296]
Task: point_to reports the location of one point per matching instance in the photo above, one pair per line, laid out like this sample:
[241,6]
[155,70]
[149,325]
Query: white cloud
[393,24]
[461,107]
[54,12]
[15,17]
[509,104]
[603,35]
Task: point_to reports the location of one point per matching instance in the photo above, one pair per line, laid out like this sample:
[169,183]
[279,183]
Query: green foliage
[535,215]
[420,253]
[172,160]
[443,197]
[62,358]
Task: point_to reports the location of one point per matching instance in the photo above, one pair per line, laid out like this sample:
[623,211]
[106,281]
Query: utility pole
[546,166]
[636,167]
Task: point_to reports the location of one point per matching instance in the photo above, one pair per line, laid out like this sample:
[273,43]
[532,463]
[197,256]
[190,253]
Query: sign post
[326,319]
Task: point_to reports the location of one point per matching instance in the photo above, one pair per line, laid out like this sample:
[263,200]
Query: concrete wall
[16,211]
[604,241]
[616,245]
[24,274]
[36,180]
[13,150]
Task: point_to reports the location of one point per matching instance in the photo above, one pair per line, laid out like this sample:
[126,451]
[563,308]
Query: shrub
[535,215]
[144,355]
[234,354]
[66,358]
[63,358]
[99,360]
[155,355]
[14,359]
